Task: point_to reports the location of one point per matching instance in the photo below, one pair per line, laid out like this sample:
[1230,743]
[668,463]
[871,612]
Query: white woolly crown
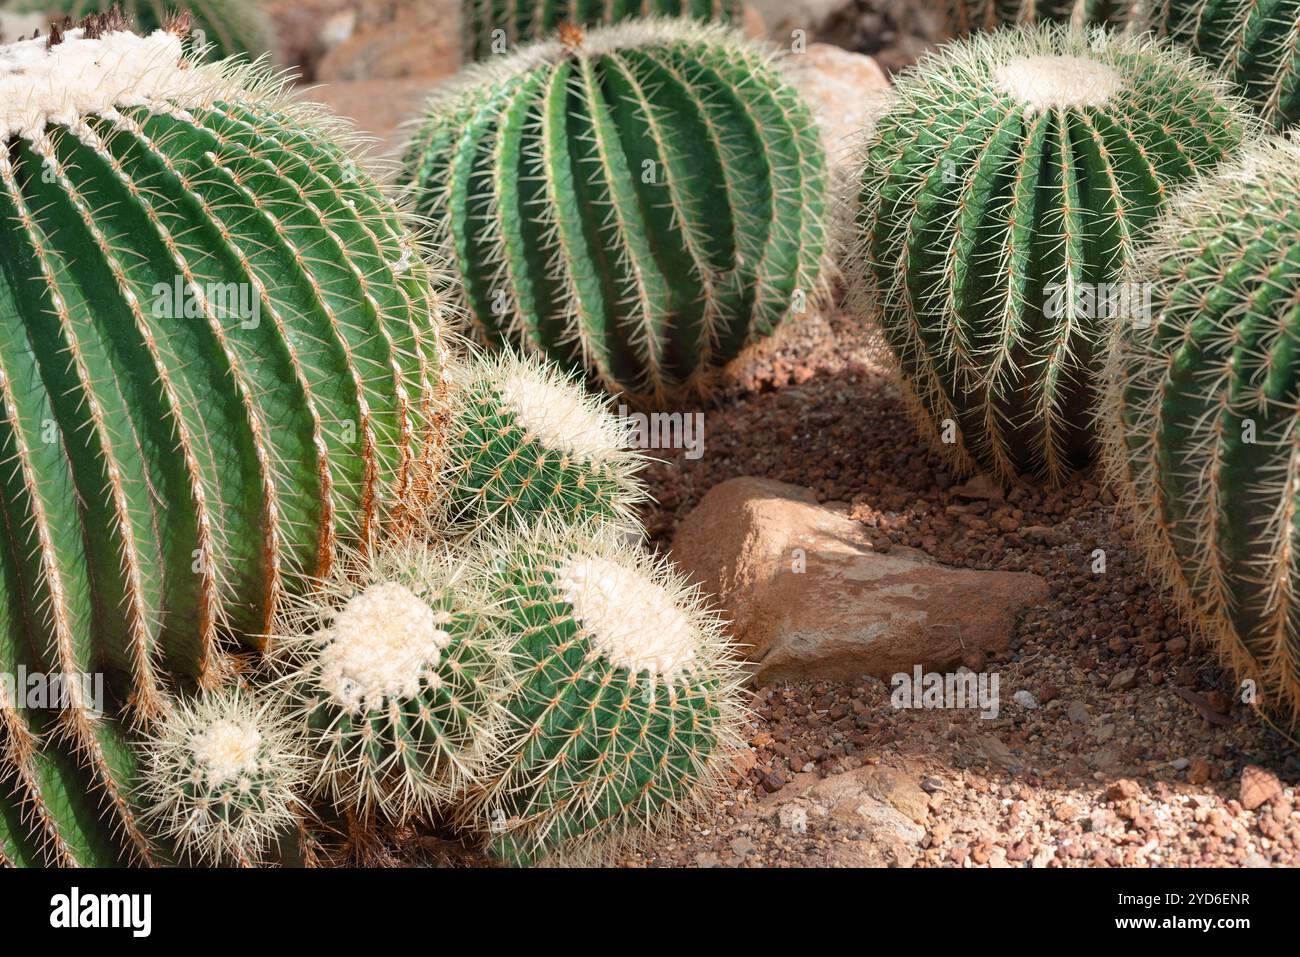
[1048,82]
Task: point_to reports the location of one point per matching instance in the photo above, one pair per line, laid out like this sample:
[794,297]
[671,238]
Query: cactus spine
[999,198]
[1257,42]
[526,443]
[218,358]
[491,27]
[1202,420]
[969,16]
[646,200]
[624,702]
[397,680]
[224,27]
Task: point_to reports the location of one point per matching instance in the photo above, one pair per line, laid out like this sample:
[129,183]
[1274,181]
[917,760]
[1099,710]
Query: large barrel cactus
[968,16]
[1202,415]
[999,199]
[624,706]
[646,200]
[493,27]
[218,357]
[1256,42]
[224,27]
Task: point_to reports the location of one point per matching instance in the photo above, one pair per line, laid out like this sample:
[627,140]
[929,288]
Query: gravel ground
[1134,751]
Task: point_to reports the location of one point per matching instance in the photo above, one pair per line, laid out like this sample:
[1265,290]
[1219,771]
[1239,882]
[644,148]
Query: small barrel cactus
[1256,42]
[968,16]
[526,443]
[1202,432]
[492,28]
[396,679]
[221,27]
[624,703]
[225,776]
[646,200]
[218,351]
[999,199]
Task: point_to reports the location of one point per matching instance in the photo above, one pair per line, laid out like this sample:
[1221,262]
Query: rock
[997,752]
[423,40]
[1199,772]
[1123,681]
[1025,700]
[1077,712]
[742,847]
[808,596]
[1258,787]
[794,818]
[377,107]
[783,17]
[846,91]
[982,487]
[1122,790]
[883,801]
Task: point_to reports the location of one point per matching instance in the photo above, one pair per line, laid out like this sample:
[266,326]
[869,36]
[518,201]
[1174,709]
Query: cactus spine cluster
[218,358]
[1202,415]
[969,16]
[397,679]
[624,701]
[999,198]
[224,27]
[1257,43]
[646,200]
[491,27]
[523,443]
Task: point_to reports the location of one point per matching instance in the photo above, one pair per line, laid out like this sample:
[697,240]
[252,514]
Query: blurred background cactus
[1203,433]
[970,16]
[645,201]
[998,200]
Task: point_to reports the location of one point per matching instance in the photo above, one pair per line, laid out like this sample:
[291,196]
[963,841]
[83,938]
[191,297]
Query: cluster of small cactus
[998,200]
[221,28]
[644,201]
[963,17]
[491,28]
[1202,414]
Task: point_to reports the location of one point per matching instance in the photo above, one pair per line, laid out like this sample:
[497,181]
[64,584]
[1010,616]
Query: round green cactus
[624,704]
[225,776]
[524,442]
[397,679]
[644,201]
[492,27]
[1256,42]
[999,198]
[222,27]
[968,16]
[1201,423]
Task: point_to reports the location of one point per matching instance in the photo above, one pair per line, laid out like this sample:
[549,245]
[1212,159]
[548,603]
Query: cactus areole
[999,199]
[644,200]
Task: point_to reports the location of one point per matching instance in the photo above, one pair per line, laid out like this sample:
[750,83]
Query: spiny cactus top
[224,27]
[624,699]
[1257,42]
[492,27]
[1202,414]
[218,352]
[646,200]
[968,16]
[999,198]
[524,443]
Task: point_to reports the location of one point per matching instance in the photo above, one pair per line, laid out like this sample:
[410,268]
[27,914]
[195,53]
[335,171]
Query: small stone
[1199,771]
[1025,700]
[1124,681]
[794,818]
[1122,790]
[1179,764]
[742,847]
[1258,787]
[1077,712]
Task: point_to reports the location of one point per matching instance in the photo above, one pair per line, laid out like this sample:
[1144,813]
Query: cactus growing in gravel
[223,27]
[645,200]
[523,442]
[397,679]
[624,700]
[491,27]
[1201,417]
[224,777]
[968,16]
[1256,42]
[999,199]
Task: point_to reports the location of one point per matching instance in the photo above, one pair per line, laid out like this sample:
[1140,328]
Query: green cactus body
[645,201]
[1256,42]
[218,357]
[397,680]
[493,27]
[526,443]
[1201,423]
[999,199]
[225,27]
[969,16]
[624,702]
